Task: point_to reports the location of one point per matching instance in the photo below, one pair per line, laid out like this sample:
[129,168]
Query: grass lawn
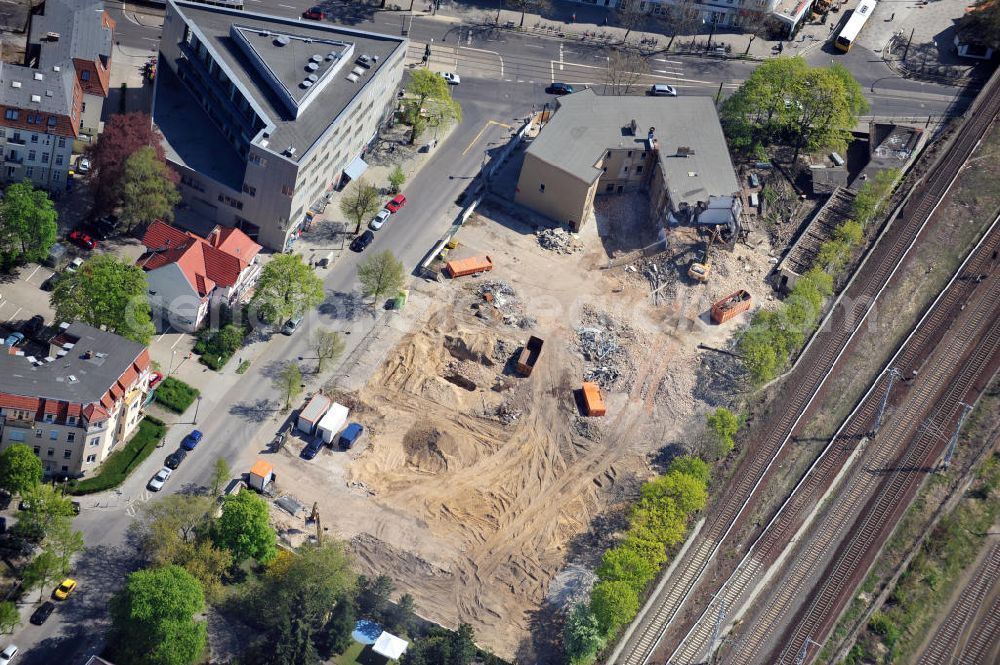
[116,468]
[175,395]
[359,654]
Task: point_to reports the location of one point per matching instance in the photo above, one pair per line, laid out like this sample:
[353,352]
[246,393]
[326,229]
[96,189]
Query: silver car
[156,483]
[379,220]
[8,654]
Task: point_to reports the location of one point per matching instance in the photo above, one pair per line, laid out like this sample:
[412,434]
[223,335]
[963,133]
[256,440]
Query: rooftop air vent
[61,353]
[72,378]
[332,55]
[15,84]
[312,77]
[684,151]
[36,98]
[317,58]
[39,76]
[64,326]
[52,36]
[312,66]
[281,40]
[352,77]
[56,68]
[264,33]
[290,151]
[306,83]
[48,93]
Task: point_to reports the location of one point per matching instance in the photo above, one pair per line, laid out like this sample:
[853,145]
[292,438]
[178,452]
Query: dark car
[313,448]
[50,283]
[362,241]
[191,440]
[314,14]
[76,507]
[560,89]
[175,458]
[34,325]
[81,239]
[42,613]
[350,436]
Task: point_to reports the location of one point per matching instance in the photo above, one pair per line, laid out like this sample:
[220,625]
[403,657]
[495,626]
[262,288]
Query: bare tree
[523,6]
[328,346]
[758,24]
[684,18]
[625,69]
[628,15]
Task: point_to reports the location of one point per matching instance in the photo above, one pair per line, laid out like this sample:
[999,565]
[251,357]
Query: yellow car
[65,589]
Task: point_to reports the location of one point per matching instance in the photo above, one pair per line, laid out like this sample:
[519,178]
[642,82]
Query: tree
[45,508]
[626,564]
[692,466]
[431,98]
[871,197]
[163,527]
[613,605]
[631,15]
[723,425]
[396,179]
[27,225]
[294,640]
[823,109]
[148,192]
[373,596]
[360,202]
[43,571]
[335,637]
[244,528]
[684,17]
[381,275]
[153,618]
[582,637]
[221,475]
[328,346]
[625,68]
[287,287]
[523,6]
[288,382]
[463,645]
[20,469]
[10,618]
[981,25]
[64,542]
[108,292]
[123,135]
[402,616]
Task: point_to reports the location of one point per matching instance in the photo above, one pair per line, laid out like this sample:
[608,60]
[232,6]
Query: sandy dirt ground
[475,487]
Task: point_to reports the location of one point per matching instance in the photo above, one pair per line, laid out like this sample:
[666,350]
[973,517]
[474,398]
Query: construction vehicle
[700,270]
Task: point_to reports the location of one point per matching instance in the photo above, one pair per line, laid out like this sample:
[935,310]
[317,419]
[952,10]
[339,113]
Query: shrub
[116,468]
[216,347]
[175,395]
[723,425]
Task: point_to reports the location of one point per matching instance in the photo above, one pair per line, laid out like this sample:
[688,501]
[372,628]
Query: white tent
[332,422]
[390,646]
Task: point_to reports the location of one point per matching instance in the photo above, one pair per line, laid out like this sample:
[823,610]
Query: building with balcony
[262,115]
[188,275]
[79,403]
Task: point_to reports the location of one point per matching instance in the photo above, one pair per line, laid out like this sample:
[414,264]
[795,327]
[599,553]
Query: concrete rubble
[603,342]
[505,302]
[559,240]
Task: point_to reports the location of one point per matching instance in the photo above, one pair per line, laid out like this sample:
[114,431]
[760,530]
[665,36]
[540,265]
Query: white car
[156,484]
[83,165]
[73,265]
[379,220]
[452,79]
[8,654]
[662,90]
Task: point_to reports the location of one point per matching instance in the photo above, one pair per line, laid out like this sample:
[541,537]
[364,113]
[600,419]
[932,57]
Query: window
[541,187]
[52,452]
[34,138]
[609,188]
[38,433]
[11,114]
[62,142]
[50,417]
[53,435]
[31,121]
[91,459]
[56,175]
[59,160]
[93,442]
[70,437]
[67,454]
[45,158]
[638,169]
[629,154]
[3,133]
[85,75]
[70,420]
[30,171]
[65,468]
[31,154]
[83,109]
[625,170]
[16,435]
[252,191]
[38,451]
[287,191]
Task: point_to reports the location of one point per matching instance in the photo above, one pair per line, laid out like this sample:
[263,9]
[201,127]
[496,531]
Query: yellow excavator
[700,270]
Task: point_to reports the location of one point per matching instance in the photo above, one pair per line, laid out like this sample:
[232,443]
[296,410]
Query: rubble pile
[559,240]
[604,343]
[507,413]
[588,429]
[506,305]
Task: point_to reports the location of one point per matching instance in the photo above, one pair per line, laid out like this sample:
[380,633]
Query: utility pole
[907,49]
[893,375]
[949,452]
[805,650]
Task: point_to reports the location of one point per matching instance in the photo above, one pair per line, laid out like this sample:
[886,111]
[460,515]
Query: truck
[470,266]
[312,413]
[593,402]
[332,422]
[529,355]
[733,304]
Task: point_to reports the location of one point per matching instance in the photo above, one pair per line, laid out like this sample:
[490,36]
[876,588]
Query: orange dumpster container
[730,306]
[592,399]
[470,266]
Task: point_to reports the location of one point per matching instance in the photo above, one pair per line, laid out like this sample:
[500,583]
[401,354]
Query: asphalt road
[504,76]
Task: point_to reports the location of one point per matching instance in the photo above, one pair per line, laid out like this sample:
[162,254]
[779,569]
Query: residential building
[188,275]
[671,147]
[79,403]
[263,115]
[703,14]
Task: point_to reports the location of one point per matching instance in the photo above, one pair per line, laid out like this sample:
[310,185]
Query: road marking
[179,338]
[560,56]
[534,45]
[664,71]
[578,64]
[287,6]
[485,127]
[671,62]
[482,50]
[15,314]
[152,39]
[37,268]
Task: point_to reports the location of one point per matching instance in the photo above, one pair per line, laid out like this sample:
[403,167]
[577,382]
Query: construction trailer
[593,402]
[730,306]
[470,266]
[261,475]
[529,355]
[332,422]
[313,412]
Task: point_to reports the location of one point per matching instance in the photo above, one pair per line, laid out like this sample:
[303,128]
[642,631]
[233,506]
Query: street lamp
[170,370]
[197,406]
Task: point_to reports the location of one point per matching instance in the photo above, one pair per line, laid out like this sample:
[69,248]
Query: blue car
[313,448]
[191,440]
[350,435]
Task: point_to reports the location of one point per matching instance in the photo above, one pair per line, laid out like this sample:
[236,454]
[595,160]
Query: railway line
[807,379]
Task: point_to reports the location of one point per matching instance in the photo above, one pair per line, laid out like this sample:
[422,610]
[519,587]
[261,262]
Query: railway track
[809,375]
[926,336]
[942,647]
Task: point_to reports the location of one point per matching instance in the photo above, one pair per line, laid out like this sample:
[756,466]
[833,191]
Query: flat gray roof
[79,26]
[586,124]
[72,378]
[267,69]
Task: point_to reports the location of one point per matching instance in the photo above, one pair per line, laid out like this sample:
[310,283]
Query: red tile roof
[217,260]
[50,406]
[8,401]
[74,410]
[94,413]
[142,361]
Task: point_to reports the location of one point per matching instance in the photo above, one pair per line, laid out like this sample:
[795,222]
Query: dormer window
[85,75]
[71,420]
[50,418]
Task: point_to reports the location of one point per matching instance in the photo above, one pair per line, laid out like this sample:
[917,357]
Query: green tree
[381,275]
[43,571]
[244,528]
[723,425]
[872,196]
[287,287]
[981,25]
[613,604]
[165,528]
[759,354]
[10,618]
[360,202]
[294,642]
[625,564]
[833,255]
[20,469]
[373,596]
[46,508]
[850,232]
[430,97]
[288,382]
[328,346]
[692,466]
[220,476]
[402,616]
[64,542]
[335,636]
[108,292]
[229,339]
[147,189]
[206,563]
[582,637]
[27,225]
[463,645]
[153,618]
[396,179]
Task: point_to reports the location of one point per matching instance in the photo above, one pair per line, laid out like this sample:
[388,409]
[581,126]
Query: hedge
[175,395]
[116,468]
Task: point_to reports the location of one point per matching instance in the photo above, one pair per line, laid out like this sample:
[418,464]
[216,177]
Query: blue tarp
[366,632]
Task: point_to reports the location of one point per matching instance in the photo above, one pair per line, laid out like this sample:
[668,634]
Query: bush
[216,347]
[175,395]
[116,468]
[723,425]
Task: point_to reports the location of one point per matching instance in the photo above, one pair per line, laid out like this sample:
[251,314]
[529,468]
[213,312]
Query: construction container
[334,419]
[313,411]
[592,399]
[730,306]
[470,266]
[529,355]
[261,475]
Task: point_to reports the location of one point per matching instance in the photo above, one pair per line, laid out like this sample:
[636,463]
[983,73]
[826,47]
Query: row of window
[32,118]
[16,136]
[231,202]
[29,172]
[194,183]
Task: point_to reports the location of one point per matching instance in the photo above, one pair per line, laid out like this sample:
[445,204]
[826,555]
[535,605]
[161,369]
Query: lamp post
[170,370]
[197,406]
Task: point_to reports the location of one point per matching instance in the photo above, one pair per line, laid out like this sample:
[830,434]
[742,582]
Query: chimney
[87,355]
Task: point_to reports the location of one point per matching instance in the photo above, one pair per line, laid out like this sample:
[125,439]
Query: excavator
[700,270]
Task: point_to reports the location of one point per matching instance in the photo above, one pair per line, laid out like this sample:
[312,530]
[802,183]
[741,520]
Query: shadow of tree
[256,412]
[344,305]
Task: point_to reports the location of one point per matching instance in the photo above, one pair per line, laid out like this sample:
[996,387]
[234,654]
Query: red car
[154,379]
[314,14]
[82,239]
[396,203]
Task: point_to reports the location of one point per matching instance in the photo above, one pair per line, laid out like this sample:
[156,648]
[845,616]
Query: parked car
[74,264]
[81,239]
[452,79]
[83,166]
[50,283]
[365,60]
[39,616]
[379,220]
[175,458]
[63,591]
[14,339]
[75,505]
[560,89]
[156,482]
[313,448]
[154,379]
[397,202]
[7,655]
[350,436]
[292,324]
[34,325]
[662,90]
[191,441]
[362,241]
[314,14]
